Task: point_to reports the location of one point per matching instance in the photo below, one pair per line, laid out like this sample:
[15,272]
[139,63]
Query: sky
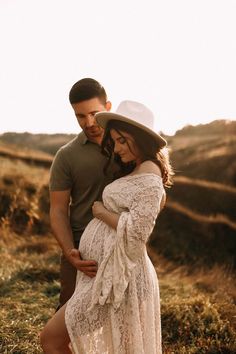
[178,57]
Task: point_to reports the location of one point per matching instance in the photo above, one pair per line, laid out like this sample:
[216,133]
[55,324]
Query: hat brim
[103,118]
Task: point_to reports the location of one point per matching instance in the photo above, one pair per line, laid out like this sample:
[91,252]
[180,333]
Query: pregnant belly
[96,240]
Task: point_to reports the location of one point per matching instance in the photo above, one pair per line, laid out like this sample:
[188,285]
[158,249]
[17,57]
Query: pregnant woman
[118,311]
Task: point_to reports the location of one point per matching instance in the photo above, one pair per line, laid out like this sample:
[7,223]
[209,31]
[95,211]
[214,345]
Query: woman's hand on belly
[109,217]
[88,267]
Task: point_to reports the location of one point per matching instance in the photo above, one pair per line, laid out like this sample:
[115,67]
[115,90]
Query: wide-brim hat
[133,113]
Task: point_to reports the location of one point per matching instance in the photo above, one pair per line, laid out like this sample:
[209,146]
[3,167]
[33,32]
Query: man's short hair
[85,89]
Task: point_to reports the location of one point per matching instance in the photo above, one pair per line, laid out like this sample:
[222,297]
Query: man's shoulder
[66,155]
[77,141]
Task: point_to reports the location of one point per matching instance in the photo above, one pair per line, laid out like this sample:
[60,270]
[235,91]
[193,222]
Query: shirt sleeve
[60,173]
[133,230]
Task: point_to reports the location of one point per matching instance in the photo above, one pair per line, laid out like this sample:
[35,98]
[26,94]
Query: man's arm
[59,218]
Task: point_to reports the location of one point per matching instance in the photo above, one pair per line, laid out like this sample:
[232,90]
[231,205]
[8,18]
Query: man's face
[85,113]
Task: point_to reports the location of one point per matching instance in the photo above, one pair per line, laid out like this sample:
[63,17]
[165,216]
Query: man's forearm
[62,230]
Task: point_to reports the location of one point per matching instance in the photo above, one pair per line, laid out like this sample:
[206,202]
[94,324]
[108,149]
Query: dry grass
[13,168]
[186,238]
[48,143]
[198,312]
[212,219]
[24,200]
[198,304]
[204,184]
[12,151]
[27,155]
[207,157]
[28,291]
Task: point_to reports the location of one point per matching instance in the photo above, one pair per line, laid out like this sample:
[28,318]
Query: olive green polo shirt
[78,166]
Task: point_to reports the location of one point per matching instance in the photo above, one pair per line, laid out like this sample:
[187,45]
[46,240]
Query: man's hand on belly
[87,267]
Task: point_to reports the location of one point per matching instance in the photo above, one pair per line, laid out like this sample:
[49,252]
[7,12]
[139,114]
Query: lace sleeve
[134,228]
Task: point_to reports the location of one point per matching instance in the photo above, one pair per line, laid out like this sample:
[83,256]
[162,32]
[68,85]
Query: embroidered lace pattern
[118,311]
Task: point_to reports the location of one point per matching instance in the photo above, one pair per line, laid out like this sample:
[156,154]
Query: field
[198,310]
[193,249]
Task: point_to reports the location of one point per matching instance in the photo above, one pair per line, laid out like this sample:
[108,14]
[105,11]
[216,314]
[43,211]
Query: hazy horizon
[79,129]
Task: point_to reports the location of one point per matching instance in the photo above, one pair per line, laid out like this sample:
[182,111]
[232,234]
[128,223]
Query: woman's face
[125,147]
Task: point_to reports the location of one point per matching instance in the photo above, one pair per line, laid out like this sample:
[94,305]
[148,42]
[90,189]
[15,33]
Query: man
[76,181]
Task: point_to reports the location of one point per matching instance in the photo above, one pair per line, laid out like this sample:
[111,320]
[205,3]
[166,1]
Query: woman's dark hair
[86,89]
[148,147]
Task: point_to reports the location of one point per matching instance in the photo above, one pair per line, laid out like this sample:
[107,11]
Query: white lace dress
[118,311]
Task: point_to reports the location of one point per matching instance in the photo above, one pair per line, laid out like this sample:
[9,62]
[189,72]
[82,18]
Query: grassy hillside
[190,239]
[30,156]
[210,156]
[24,199]
[48,143]
[212,199]
[193,247]
[198,310]
[198,224]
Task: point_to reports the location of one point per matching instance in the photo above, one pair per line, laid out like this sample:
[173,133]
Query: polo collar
[83,138]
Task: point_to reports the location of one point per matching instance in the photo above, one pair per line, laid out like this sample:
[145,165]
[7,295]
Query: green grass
[28,294]
[198,305]
[195,321]
[198,316]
